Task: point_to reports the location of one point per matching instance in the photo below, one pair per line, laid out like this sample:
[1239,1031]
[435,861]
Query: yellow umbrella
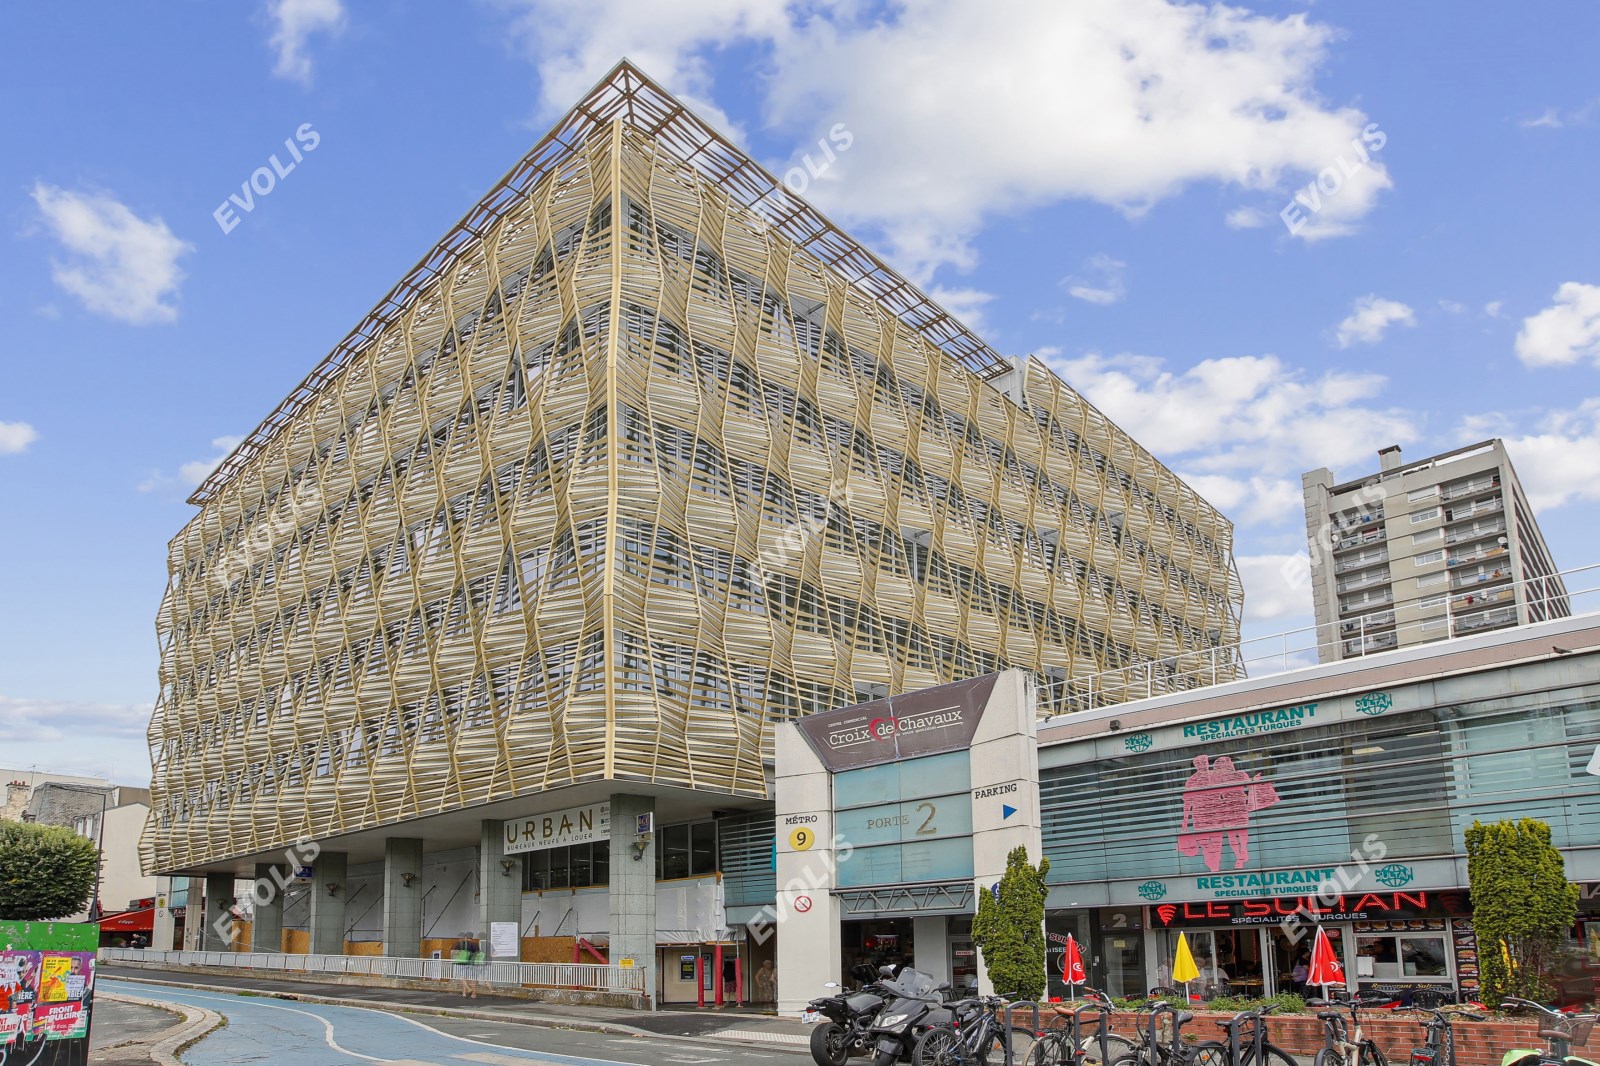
[1183,968]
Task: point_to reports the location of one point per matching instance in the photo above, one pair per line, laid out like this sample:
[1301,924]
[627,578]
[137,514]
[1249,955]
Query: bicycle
[974,1034]
[1066,1044]
[1344,1044]
[1439,1047]
[1562,1031]
[1260,1049]
[1151,1051]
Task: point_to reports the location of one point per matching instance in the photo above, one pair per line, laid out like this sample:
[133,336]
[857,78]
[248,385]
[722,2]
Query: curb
[197,1022]
[546,1022]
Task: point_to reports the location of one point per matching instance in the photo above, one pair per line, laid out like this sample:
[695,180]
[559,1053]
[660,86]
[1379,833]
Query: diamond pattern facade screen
[634,476]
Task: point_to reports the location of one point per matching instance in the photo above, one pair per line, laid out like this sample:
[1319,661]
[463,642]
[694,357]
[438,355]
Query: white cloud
[966,304]
[1244,415]
[119,264]
[1275,586]
[1554,118]
[1344,192]
[15,437]
[1370,317]
[1246,218]
[1100,282]
[1453,307]
[66,736]
[1551,119]
[1120,102]
[1558,462]
[1492,308]
[1254,500]
[190,474]
[1565,332]
[293,23]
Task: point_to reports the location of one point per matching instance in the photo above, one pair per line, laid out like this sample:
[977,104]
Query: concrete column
[932,942]
[402,897]
[807,914]
[633,889]
[216,932]
[164,926]
[1005,780]
[329,888]
[499,889]
[266,929]
[194,914]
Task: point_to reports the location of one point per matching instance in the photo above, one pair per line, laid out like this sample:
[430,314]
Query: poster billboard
[46,991]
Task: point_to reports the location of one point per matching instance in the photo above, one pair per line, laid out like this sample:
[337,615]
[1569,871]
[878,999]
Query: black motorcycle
[850,1015]
[915,1007]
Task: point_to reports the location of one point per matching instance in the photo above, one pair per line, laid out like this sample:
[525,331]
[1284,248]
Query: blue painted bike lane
[262,1030]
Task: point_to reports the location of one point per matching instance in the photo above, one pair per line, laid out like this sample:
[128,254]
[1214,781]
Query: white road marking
[327,1026]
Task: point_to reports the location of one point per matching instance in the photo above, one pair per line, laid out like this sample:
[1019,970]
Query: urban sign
[575,825]
[928,722]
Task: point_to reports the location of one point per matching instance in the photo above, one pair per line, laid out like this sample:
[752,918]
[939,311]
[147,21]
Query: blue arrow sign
[1006,811]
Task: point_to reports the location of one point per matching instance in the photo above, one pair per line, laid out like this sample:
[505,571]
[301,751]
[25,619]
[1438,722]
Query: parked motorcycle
[916,1006]
[847,1031]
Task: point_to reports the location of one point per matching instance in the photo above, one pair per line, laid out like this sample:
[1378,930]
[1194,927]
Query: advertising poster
[46,992]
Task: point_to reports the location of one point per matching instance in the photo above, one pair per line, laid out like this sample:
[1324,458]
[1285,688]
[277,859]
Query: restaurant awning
[139,921]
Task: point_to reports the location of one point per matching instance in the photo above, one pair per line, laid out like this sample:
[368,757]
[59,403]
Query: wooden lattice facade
[645,457]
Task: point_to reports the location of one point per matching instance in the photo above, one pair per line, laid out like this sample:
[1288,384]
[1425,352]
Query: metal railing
[1297,648]
[572,976]
[1469,488]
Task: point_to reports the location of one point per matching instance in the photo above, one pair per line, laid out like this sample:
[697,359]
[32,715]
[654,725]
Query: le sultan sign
[1349,907]
[575,825]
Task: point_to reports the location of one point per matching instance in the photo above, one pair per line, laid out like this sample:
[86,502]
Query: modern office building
[1422,551]
[645,457]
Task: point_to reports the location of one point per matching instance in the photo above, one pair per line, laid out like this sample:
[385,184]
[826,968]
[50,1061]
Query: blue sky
[1097,182]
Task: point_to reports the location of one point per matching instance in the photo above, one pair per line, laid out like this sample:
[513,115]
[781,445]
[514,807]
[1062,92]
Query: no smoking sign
[802,904]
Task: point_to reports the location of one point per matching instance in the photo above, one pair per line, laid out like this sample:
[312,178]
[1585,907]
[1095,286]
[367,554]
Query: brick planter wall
[1477,1043]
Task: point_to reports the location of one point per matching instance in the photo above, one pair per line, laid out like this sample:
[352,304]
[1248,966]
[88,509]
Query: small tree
[1010,931]
[1522,906]
[46,871]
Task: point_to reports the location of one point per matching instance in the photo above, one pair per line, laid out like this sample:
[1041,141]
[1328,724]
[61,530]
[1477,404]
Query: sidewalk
[724,1024]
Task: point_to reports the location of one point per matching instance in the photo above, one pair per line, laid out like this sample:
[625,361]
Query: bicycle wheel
[1117,1047]
[1021,1041]
[1328,1057]
[1207,1053]
[1051,1050]
[1137,1057]
[939,1046]
[1372,1055]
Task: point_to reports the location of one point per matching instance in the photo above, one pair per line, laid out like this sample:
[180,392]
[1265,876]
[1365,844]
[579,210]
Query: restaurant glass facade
[1348,811]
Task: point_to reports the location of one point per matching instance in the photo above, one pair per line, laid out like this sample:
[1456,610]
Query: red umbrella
[1325,968]
[1072,963]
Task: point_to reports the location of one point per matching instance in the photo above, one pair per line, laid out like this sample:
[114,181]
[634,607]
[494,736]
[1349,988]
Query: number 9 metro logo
[802,839]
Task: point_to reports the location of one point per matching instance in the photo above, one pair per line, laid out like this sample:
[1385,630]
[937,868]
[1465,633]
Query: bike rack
[1011,1008]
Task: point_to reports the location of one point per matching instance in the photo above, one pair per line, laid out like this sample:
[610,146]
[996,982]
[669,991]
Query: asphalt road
[261,1030]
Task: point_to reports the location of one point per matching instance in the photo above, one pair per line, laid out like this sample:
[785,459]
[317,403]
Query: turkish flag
[1325,968]
[1072,963]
